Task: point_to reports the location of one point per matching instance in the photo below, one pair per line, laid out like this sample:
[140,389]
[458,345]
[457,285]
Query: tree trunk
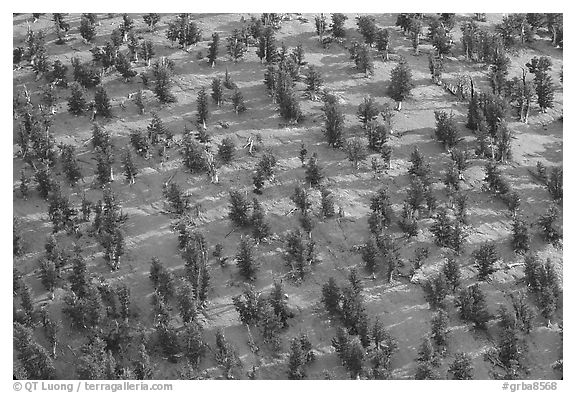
[399,105]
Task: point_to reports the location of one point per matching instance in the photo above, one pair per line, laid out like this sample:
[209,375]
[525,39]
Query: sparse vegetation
[222,196]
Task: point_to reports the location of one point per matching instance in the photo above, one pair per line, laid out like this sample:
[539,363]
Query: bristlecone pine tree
[461,367]
[235,46]
[356,151]
[363,60]
[333,121]
[70,164]
[313,83]
[76,101]
[260,229]
[163,74]
[337,25]
[327,203]
[520,237]
[193,154]
[239,209]
[401,83]
[226,150]
[217,91]
[130,169]
[34,359]
[313,172]
[238,102]
[102,103]
[202,107]
[247,266]
[446,129]
[367,111]
[471,302]
[213,49]
[124,67]
[87,29]
[484,258]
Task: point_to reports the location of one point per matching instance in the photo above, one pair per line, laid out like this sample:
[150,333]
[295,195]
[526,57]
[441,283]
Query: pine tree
[400,83]
[267,45]
[435,291]
[142,366]
[140,142]
[193,154]
[548,226]
[226,150]
[239,208]
[367,27]
[238,102]
[139,101]
[440,37]
[147,51]
[260,229]
[102,102]
[475,114]
[439,329]
[60,212]
[226,356]
[27,301]
[103,170]
[363,60]
[301,199]
[24,182]
[163,74]
[130,169]
[202,107]
[279,304]
[76,101]
[32,356]
[194,346]
[520,236]
[288,104]
[334,122]
[451,270]
[354,357]
[178,199]
[331,296]
[313,172]
[186,302]
[313,82]
[296,361]
[484,258]
[70,164]
[124,67]
[461,367]
[356,151]
[213,49]
[370,255]
[446,131]
[367,111]
[383,42]
[320,23]
[235,46]
[545,92]
[217,91]
[327,203]
[245,260]
[471,302]
[45,181]
[87,29]
[337,25]
[381,205]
